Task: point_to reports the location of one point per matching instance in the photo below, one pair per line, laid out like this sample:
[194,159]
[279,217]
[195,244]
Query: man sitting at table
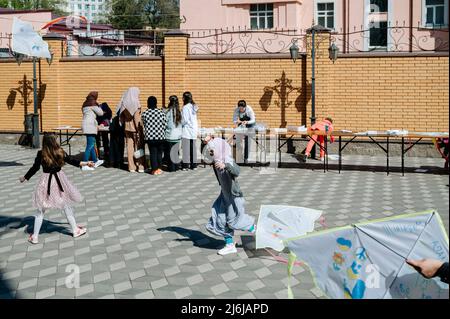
[324,126]
[243,117]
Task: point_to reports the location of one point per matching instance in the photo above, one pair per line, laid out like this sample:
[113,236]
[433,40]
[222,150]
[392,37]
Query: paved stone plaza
[146,236]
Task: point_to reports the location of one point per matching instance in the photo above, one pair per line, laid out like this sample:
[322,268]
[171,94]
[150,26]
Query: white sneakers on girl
[33,240]
[98,163]
[79,232]
[228,249]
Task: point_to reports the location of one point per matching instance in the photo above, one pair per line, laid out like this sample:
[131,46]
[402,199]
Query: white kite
[368,260]
[277,223]
[27,41]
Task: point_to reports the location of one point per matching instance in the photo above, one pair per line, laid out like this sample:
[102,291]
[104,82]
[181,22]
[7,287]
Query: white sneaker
[33,240]
[228,249]
[80,232]
[87,168]
[98,163]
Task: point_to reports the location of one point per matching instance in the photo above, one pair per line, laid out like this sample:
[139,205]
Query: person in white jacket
[189,132]
[90,111]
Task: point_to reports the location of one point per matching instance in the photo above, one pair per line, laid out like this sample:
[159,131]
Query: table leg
[326,155]
[403,156]
[279,150]
[387,152]
[340,153]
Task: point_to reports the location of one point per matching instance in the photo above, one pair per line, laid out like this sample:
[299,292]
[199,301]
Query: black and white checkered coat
[154,121]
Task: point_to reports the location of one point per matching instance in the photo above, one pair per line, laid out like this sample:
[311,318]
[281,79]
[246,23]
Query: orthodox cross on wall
[283,88]
[25,89]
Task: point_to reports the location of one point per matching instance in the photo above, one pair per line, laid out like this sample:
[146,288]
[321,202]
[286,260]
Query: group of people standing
[163,130]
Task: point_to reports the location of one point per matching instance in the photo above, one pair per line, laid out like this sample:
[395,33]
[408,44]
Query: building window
[79,7]
[378,35]
[378,6]
[93,7]
[100,7]
[325,14]
[261,16]
[435,13]
[377,18]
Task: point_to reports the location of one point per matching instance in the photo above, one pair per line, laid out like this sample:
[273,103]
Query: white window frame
[367,13]
[316,13]
[266,15]
[424,15]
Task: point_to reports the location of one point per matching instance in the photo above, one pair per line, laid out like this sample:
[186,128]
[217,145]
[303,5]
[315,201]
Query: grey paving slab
[145,244]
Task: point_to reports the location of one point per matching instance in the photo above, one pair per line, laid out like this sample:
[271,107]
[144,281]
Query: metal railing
[111,43]
[389,39]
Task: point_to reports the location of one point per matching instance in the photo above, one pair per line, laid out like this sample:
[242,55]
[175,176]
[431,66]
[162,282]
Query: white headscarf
[130,101]
[222,150]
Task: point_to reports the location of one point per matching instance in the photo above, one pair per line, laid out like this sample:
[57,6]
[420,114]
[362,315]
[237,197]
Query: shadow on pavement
[8,164]
[6,291]
[11,223]
[198,238]
[366,168]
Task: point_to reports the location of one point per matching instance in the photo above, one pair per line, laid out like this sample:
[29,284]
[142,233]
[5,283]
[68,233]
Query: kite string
[283,260]
[322,222]
[296,263]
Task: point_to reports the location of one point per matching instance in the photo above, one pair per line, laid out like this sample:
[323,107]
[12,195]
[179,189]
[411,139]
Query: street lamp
[19,58]
[294,50]
[333,51]
[294,54]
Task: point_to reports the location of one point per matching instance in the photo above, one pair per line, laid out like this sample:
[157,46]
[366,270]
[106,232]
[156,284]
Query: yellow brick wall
[217,85]
[385,93]
[110,79]
[360,93]
[12,109]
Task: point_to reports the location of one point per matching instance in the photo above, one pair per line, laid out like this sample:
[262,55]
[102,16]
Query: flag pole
[36,111]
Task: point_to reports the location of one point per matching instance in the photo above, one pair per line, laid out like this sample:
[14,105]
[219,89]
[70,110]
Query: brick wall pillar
[174,65]
[48,83]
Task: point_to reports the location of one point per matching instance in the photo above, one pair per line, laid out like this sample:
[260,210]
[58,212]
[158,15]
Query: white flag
[27,41]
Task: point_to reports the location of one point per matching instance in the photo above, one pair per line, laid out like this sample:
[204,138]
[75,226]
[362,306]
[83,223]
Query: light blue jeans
[90,148]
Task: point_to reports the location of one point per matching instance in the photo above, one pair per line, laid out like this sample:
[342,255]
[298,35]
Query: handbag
[139,153]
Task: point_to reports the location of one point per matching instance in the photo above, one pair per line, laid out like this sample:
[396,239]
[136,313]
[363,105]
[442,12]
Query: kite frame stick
[409,253]
[386,246]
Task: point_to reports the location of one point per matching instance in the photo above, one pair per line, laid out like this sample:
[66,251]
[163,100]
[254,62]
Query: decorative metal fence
[221,41]
[110,43]
[116,43]
[5,45]
[396,38]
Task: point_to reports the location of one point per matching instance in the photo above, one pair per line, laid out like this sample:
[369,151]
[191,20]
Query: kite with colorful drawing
[368,260]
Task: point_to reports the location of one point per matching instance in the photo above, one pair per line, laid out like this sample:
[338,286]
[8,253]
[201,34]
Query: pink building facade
[389,25]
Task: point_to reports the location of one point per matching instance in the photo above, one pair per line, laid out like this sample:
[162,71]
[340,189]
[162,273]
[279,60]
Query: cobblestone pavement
[146,235]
